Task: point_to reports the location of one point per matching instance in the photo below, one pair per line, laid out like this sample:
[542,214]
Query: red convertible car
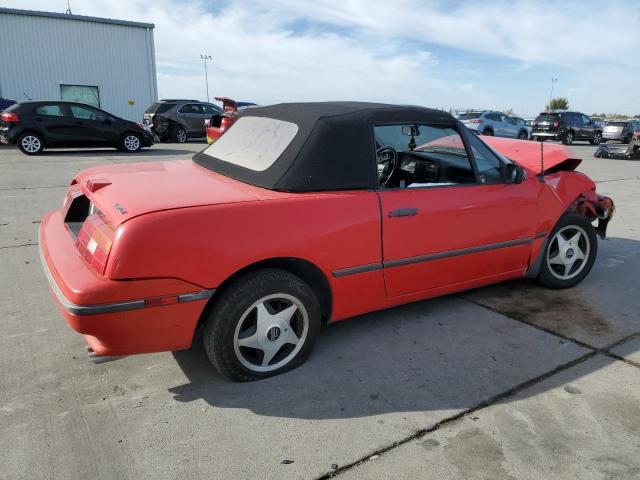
[308,213]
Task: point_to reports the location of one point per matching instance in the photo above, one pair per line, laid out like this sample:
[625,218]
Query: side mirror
[514,173]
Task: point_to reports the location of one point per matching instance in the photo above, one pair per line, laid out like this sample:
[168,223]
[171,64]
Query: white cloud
[384,51]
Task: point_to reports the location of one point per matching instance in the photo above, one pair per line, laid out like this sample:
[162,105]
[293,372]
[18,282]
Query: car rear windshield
[469,116]
[160,107]
[254,143]
[548,117]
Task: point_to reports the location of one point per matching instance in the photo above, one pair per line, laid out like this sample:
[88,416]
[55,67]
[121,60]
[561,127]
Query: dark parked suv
[566,126]
[178,120]
[34,126]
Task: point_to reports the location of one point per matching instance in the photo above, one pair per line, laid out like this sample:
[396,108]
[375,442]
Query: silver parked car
[621,130]
[495,124]
[177,120]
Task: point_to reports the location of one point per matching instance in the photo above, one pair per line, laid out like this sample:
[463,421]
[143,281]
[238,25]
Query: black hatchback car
[34,126]
[566,126]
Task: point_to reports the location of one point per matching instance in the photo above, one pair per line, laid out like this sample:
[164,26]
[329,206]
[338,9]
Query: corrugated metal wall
[41,53]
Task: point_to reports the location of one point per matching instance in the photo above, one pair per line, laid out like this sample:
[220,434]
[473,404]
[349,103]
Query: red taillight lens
[225,123]
[556,124]
[94,241]
[475,121]
[10,117]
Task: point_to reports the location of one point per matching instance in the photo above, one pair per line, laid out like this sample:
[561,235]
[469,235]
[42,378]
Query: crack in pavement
[18,246]
[602,351]
[452,419]
[605,351]
[617,180]
[32,188]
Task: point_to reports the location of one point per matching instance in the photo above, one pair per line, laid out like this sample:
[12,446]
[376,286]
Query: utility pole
[553,82]
[206,58]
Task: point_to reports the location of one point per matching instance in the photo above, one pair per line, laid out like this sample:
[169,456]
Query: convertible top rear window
[254,142]
[309,147]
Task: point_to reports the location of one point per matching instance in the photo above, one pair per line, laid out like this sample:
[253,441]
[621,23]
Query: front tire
[597,138]
[570,252]
[31,144]
[131,143]
[265,323]
[568,137]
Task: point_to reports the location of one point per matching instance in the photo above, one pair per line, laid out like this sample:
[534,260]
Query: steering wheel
[387,158]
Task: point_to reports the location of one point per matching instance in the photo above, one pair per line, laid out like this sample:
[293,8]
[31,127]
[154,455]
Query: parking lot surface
[507,381]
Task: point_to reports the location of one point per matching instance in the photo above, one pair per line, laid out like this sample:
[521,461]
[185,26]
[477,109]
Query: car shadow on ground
[449,353]
[111,152]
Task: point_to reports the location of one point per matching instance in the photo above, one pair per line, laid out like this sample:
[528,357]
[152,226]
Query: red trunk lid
[127,191]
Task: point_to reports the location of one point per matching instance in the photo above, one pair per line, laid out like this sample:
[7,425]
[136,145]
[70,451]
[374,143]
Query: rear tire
[488,132]
[253,330]
[31,143]
[569,253]
[568,137]
[180,135]
[523,135]
[597,138]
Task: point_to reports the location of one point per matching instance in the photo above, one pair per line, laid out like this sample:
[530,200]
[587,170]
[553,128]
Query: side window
[49,110]
[191,108]
[489,166]
[420,155]
[493,116]
[585,120]
[210,110]
[85,113]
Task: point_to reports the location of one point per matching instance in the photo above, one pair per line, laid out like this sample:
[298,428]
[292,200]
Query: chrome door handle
[403,212]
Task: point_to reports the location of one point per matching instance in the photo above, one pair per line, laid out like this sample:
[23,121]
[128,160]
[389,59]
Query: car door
[458,226]
[192,117]
[55,125]
[93,127]
[588,127]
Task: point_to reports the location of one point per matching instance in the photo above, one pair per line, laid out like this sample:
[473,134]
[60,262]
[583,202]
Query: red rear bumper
[114,316]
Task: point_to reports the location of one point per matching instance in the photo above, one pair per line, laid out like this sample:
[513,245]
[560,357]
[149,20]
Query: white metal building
[54,56]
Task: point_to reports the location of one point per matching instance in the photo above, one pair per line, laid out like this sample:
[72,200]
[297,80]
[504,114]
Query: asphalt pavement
[508,381]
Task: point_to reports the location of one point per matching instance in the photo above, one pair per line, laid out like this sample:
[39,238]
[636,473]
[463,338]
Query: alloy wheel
[569,138]
[131,143]
[181,136]
[568,252]
[271,332]
[31,143]
[597,139]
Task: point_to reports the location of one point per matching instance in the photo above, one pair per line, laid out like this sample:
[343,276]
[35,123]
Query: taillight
[475,121]
[94,241]
[556,124]
[225,123]
[10,117]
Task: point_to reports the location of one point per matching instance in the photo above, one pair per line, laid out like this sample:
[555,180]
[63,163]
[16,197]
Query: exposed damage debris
[622,151]
[593,206]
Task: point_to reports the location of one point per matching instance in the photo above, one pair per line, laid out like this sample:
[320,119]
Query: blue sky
[444,54]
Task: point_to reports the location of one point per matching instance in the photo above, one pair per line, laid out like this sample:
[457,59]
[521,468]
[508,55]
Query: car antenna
[541,161]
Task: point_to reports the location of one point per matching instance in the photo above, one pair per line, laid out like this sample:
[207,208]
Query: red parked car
[309,213]
[218,124]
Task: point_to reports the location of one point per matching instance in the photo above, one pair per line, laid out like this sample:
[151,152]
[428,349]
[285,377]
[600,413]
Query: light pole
[206,57]
[553,82]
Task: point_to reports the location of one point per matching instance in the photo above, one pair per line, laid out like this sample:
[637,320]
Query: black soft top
[333,149]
